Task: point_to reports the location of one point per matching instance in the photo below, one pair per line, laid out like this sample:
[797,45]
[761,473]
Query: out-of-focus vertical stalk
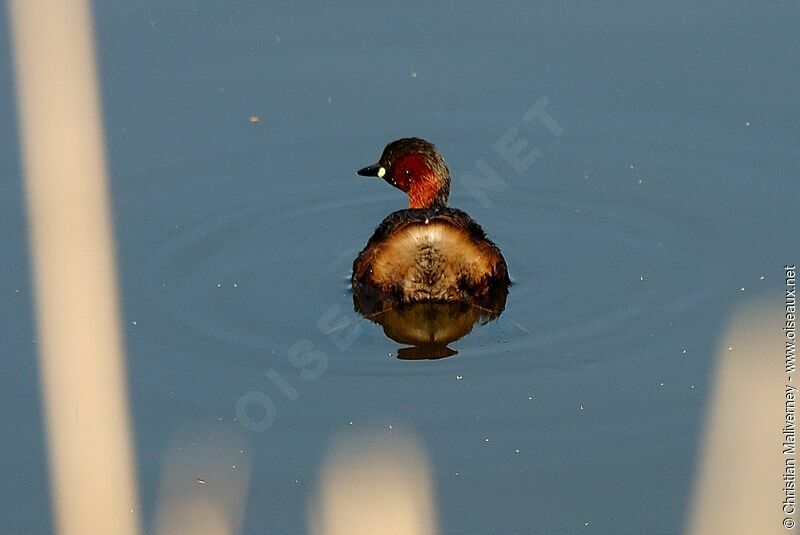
[375,483]
[73,264]
[738,487]
[204,480]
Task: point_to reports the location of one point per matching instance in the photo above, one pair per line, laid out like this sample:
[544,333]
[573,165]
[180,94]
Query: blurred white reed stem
[204,481]
[81,359]
[739,485]
[375,483]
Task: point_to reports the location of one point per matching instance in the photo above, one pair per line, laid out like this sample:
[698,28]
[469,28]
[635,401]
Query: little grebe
[428,252]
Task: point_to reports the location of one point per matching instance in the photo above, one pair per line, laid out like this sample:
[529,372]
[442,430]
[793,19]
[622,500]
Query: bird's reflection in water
[428,327]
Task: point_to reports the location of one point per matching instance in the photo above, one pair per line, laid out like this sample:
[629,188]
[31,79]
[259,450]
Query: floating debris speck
[200,481]
[254,119]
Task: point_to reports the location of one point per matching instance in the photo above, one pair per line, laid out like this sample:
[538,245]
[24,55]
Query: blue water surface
[653,191]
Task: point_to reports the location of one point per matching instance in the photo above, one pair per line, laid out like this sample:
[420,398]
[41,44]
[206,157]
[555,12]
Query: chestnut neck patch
[413,175]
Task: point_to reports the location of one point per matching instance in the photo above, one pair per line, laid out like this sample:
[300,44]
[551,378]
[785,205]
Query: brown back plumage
[430,254]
